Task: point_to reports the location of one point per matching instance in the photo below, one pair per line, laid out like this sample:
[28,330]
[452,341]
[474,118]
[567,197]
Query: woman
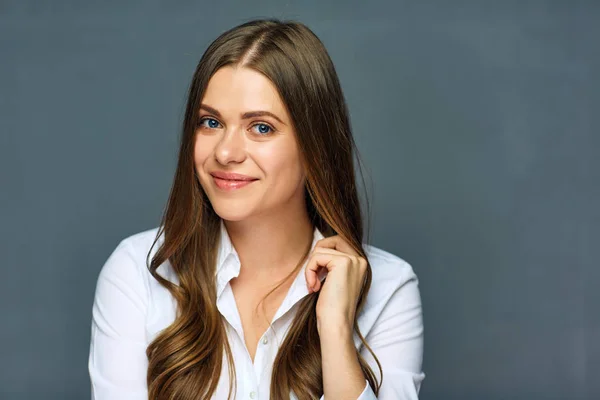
[260,286]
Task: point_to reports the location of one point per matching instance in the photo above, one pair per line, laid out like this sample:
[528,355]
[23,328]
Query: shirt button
[265,340]
[252,394]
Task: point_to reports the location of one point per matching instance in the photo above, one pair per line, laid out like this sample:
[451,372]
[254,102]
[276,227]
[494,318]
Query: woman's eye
[263,129]
[211,123]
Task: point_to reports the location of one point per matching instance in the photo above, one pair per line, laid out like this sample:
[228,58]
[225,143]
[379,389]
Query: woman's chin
[231,213]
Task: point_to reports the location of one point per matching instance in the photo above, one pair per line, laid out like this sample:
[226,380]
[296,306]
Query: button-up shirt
[131,308]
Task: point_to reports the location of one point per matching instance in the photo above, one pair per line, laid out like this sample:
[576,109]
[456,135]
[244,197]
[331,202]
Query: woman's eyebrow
[246,115]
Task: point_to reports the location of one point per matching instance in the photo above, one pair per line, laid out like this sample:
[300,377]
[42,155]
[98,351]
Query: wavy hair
[185,359]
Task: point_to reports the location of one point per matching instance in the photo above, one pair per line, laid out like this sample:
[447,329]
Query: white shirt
[131,308]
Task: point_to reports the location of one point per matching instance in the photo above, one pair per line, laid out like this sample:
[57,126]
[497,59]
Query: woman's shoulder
[127,262]
[141,245]
[388,269]
[141,241]
[125,288]
[391,276]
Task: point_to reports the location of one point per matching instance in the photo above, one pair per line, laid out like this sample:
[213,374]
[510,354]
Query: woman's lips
[227,184]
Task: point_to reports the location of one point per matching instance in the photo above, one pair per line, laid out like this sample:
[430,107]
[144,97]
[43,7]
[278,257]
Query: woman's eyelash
[267,125]
[202,120]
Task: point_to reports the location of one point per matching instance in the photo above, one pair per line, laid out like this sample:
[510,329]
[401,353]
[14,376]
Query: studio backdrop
[478,122]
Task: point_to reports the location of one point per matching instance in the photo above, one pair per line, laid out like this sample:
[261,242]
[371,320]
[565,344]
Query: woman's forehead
[236,90]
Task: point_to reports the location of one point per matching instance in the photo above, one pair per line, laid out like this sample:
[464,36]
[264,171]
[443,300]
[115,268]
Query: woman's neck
[269,247]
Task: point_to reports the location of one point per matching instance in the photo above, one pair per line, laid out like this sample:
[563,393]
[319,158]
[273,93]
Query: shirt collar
[228,261]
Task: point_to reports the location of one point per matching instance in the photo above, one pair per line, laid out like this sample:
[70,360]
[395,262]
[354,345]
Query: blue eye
[212,123]
[263,129]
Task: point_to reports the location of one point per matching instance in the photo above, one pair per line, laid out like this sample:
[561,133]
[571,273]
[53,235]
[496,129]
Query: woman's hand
[345,270]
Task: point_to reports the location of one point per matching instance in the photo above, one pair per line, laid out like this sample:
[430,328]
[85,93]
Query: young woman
[257,283]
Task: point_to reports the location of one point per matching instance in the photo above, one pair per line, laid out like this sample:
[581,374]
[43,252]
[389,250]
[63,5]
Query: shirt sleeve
[397,340]
[117,360]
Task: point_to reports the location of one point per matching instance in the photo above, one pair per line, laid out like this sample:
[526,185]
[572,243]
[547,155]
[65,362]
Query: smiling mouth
[231,184]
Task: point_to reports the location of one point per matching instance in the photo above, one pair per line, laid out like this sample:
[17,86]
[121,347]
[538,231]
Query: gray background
[478,122]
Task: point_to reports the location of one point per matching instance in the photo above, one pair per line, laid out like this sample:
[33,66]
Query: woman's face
[244,128]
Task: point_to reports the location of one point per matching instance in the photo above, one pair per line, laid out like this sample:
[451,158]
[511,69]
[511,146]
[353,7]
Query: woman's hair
[185,359]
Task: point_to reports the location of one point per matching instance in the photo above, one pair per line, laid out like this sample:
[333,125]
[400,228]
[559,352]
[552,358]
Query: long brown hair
[185,359]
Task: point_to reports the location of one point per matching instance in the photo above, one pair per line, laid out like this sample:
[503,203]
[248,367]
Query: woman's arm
[397,339]
[117,360]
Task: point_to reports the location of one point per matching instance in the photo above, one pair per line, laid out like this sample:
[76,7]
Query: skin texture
[267,220]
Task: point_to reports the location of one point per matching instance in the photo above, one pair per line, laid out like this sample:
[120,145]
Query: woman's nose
[231,147]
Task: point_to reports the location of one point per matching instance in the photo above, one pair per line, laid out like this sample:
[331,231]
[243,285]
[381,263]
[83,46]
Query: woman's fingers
[336,243]
[320,263]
